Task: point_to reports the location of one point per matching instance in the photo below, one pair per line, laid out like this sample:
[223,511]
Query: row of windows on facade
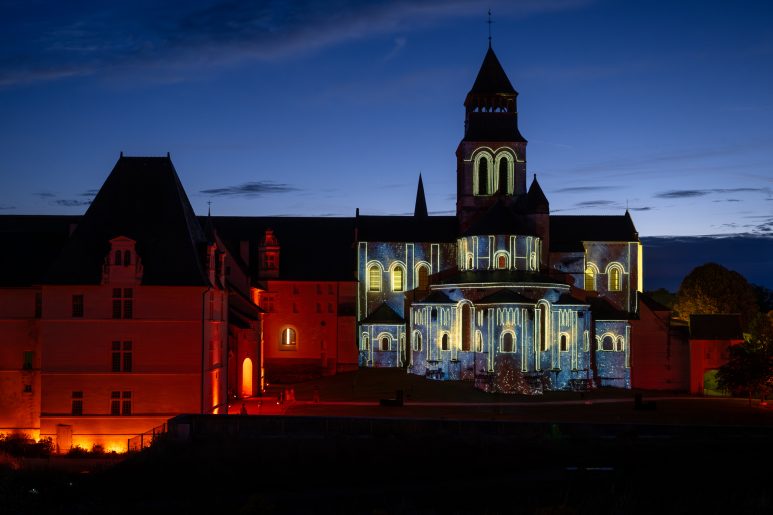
[397,282]
[486,183]
[501,261]
[120,357]
[122,258]
[507,343]
[123,304]
[614,282]
[120,403]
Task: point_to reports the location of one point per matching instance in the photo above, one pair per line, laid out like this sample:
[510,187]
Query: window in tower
[503,169]
[444,342]
[614,278]
[564,343]
[483,179]
[422,277]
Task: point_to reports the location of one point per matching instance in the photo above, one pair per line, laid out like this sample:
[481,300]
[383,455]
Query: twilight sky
[320,107]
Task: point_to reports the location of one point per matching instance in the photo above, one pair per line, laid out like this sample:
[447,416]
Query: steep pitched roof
[30,245]
[716,327]
[311,248]
[492,77]
[383,315]
[537,201]
[568,232]
[438,229]
[141,199]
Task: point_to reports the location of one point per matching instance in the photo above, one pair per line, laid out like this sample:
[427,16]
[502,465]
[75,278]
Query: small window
[564,342]
[444,342]
[374,278]
[478,341]
[117,259]
[123,303]
[507,342]
[397,278]
[608,343]
[502,262]
[469,262]
[127,258]
[121,403]
[289,338]
[417,341]
[590,279]
[422,277]
[614,279]
[121,356]
[76,406]
[365,342]
[77,306]
[384,343]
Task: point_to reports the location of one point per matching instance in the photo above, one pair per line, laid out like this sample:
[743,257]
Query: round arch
[247,382]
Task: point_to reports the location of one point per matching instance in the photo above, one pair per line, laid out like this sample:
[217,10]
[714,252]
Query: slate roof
[499,219]
[492,78]
[141,199]
[383,315]
[603,310]
[420,209]
[716,327]
[30,246]
[436,229]
[568,232]
[505,296]
[537,201]
[569,299]
[311,248]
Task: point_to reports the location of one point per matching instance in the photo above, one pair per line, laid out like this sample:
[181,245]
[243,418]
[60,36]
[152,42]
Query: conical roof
[492,78]
[538,202]
[421,202]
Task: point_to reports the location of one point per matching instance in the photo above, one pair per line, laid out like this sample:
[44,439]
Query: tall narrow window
[76,404]
[397,278]
[503,175]
[507,342]
[123,303]
[502,262]
[289,338]
[121,403]
[121,356]
[77,306]
[444,343]
[374,278]
[422,277]
[127,258]
[365,342]
[482,177]
[385,343]
[564,343]
[417,341]
[544,326]
[614,279]
[466,327]
[590,279]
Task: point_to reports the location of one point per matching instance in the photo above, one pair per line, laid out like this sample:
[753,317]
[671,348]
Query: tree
[750,366]
[711,289]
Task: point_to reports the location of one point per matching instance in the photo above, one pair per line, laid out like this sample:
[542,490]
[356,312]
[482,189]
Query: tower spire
[421,202]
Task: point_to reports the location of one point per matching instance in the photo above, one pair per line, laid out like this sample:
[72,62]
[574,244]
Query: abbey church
[114,321]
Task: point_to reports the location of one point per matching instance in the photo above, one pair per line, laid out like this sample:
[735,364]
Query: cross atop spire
[489,28]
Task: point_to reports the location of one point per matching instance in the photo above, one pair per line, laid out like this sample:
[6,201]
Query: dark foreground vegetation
[537,468]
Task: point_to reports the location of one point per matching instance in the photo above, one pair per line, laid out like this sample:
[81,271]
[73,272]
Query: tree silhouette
[749,368]
[711,289]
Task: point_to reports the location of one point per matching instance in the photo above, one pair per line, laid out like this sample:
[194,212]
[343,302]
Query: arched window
[384,341]
[416,341]
[127,258]
[564,343]
[117,260]
[422,277]
[478,341]
[374,278]
[288,338]
[614,279]
[483,177]
[503,175]
[608,343]
[590,278]
[466,326]
[398,275]
[507,342]
[444,343]
[544,326]
[502,262]
[365,342]
[469,262]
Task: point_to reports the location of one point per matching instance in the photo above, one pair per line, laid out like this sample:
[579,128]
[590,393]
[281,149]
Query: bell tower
[491,158]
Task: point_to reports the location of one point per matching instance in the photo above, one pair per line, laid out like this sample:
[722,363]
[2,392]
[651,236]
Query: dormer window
[268,255]
[122,263]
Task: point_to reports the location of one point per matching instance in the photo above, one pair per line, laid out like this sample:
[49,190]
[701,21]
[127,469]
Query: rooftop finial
[209,208]
[489,28]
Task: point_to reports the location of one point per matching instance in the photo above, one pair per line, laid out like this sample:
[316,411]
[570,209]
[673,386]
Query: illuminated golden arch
[374,276]
[444,340]
[502,260]
[614,272]
[591,272]
[486,187]
[417,340]
[365,341]
[563,342]
[247,378]
[384,341]
[544,327]
[504,157]
[507,342]
[464,323]
[610,337]
[397,275]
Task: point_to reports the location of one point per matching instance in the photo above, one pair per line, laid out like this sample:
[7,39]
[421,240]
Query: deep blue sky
[320,107]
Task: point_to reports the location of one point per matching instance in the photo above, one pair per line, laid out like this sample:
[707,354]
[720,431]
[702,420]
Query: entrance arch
[247,378]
